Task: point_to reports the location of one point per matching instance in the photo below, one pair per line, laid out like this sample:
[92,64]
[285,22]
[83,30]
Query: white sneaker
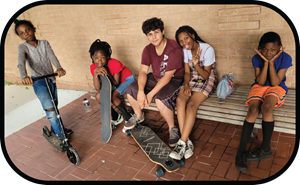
[179,150]
[189,149]
[118,121]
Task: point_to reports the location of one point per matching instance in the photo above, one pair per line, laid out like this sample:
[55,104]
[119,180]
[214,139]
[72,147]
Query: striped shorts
[258,92]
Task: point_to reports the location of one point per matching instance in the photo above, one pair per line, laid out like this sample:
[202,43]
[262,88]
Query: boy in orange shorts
[268,91]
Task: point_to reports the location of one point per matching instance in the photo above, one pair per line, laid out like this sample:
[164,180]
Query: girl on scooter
[37,54]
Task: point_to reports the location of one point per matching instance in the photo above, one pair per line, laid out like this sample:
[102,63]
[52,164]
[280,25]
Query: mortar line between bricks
[139,170]
[228,161]
[125,173]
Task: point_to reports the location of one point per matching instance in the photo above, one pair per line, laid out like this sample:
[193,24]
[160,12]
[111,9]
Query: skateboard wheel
[114,127]
[128,132]
[46,131]
[181,163]
[159,172]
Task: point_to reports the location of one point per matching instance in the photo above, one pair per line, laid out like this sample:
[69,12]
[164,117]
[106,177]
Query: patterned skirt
[197,82]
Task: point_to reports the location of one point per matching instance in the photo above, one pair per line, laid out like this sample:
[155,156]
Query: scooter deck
[155,149]
[54,141]
[105,96]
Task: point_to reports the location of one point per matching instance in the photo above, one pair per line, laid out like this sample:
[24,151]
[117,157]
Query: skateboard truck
[161,171]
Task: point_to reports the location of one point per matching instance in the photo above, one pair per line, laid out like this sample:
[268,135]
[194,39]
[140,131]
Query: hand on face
[273,59]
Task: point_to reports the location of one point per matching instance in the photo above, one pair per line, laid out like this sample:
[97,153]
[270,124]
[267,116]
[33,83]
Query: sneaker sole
[241,168]
[172,145]
[188,155]
[257,159]
[128,128]
[174,157]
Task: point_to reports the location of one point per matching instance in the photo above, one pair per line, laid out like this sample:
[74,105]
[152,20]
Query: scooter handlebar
[45,76]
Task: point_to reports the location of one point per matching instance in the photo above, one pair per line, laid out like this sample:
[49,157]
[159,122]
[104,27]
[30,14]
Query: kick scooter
[64,145]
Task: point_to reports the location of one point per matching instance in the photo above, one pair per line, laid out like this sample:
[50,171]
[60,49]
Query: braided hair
[190,31]
[100,45]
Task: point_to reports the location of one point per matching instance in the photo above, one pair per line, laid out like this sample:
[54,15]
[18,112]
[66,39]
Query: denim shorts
[123,86]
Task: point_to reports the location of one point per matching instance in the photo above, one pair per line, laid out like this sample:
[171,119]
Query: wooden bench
[233,110]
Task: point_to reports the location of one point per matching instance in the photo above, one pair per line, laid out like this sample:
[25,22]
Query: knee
[51,114]
[180,102]
[98,97]
[191,106]
[159,104]
[267,109]
[253,111]
[50,110]
[115,97]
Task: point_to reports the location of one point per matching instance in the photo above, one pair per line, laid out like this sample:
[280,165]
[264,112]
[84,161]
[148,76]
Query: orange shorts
[260,92]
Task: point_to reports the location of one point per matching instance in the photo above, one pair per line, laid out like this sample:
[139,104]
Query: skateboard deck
[155,149]
[105,96]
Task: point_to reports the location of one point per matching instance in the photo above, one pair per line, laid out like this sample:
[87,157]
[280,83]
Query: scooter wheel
[73,156]
[46,131]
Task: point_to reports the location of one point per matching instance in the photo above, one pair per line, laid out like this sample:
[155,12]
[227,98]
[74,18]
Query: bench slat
[230,112]
[277,111]
[233,110]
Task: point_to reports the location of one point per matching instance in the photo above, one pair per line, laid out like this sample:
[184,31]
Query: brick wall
[232,30]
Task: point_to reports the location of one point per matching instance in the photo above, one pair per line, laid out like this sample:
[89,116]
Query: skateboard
[105,96]
[155,149]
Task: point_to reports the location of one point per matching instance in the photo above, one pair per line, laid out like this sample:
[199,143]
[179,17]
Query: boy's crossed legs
[164,99]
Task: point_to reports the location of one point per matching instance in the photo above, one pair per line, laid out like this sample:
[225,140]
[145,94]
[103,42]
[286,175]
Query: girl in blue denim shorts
[37,54]
[119,75]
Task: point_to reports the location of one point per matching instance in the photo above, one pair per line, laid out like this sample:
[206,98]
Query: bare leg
[115,98]
[166,113]
[135,106]
[253,111]
[180,105]
[267,108]
[191,111]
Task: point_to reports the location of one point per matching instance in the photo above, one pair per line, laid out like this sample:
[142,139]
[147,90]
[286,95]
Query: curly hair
[152,24]
[100,45]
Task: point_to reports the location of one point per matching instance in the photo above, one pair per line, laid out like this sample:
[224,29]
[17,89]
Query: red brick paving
[121,158]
